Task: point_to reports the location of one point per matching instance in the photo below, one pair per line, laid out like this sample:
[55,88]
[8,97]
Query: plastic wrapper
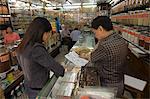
[95,93]
[70,77]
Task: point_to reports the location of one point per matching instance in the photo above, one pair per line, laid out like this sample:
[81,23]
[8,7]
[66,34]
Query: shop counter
[67,86]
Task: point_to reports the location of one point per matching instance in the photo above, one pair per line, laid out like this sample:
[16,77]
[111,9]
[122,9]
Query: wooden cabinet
[138,68]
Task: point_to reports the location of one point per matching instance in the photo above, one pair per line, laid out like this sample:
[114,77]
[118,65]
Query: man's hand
[85,55]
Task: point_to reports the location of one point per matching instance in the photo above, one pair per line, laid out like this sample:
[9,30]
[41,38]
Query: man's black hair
[103,21]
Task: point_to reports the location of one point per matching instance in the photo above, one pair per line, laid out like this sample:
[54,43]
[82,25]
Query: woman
[34,58]
[109,55]
[11,36]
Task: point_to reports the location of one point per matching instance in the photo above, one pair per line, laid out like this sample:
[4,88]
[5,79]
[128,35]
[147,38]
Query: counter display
[67,86]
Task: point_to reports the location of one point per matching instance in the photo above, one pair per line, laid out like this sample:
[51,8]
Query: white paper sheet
[74,58]
[138,51]
[135,83]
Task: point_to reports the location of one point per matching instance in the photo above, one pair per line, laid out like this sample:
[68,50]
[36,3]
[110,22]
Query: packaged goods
[95,93]
[141,40]
[1,93]
[3,9]
[82,50]
[4,63]
[147,42]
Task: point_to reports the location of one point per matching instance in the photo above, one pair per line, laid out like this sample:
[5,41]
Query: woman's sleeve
[41,56]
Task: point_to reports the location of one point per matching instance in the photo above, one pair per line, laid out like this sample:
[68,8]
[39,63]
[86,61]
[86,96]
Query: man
[66,37]
[109,55]
[75,35]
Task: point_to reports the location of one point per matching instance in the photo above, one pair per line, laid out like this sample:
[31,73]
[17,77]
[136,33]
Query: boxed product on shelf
[4,62]
[2,20]
[135,3]
[1,93]
[3,9]
[133,17]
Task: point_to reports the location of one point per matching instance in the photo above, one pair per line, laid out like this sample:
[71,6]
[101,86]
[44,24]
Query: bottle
[141,40]
[17,91]
[12,95]
[22,87]
[147,43]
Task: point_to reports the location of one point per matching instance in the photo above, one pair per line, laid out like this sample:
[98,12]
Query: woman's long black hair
[34,33]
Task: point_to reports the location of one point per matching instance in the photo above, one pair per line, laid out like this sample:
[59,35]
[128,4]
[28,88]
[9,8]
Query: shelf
[132,33]
[2,4]
[129,25]
[14,84]
[4,26]
[139,47]
[5,16]
[139,15]
[142,7]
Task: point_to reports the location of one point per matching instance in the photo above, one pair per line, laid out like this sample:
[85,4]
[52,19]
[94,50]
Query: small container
[129,36]
[136,39]
[132,37]
[22,89]
[17,91]
[4,62]
[141,40]
[10,77]
[12,95]
[147,43]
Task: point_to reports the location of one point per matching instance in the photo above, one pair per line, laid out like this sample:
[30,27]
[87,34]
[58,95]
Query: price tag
[4,58]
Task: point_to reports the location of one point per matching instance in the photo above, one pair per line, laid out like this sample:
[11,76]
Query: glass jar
[141,40]
[147,43]
[129,36]
[136,39]
[132,36]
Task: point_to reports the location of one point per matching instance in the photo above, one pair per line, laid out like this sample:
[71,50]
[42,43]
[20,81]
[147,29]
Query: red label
[147,39]
[142,37]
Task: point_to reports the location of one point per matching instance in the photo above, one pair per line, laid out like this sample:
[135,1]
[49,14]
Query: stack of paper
[74,58]
[135,83]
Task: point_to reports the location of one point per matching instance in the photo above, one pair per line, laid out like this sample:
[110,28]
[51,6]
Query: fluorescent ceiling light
[90,6]
[71,7]
[12,1]
[74,4]
[115,1]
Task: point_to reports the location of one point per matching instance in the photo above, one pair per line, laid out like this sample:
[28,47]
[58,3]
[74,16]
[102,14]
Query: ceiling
[63,3]
[75,1]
